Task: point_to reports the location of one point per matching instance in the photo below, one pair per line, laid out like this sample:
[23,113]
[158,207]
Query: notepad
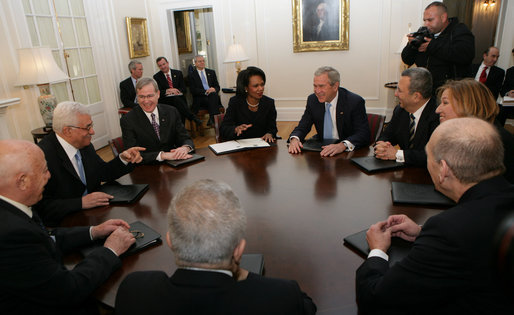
[238,145]
[177,163]
[124,193]
[418,194]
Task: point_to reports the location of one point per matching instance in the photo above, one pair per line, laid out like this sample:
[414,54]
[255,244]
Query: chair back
[218,119]
[376,123]
[116,145]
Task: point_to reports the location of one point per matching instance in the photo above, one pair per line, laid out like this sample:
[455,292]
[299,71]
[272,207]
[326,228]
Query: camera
[419,37]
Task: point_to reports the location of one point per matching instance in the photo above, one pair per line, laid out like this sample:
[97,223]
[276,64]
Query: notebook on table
[398,250]
[253,263]
[145,237]
[372,164]
[177,163]
[316,145]
[238,145]
[418,194]
[123,193]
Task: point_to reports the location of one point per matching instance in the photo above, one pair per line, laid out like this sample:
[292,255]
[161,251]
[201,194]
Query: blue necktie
[82,175]
[327,123]
[204,81]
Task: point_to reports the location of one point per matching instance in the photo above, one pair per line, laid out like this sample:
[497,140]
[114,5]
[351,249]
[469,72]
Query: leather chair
[376,123]
[116,145]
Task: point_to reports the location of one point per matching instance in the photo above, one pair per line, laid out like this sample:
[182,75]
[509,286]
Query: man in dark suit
[205,88]
[155,127]
[449,269]
[172,88]
[488,73]
[206,234]
[336,113]
[413,120]
[77,171]
[33,278]
[128,86]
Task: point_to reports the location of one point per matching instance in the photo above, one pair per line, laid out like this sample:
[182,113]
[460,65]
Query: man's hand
[105,229]
[385,150]
[333,149]
[410,37]
[268,138]
[379,236]
[210,90]
[423,47]
[401,226]
[132,155]
[295,146]
[95,199]
[510,93]
[173,91]
[120,240]
[239,129]
[181,153]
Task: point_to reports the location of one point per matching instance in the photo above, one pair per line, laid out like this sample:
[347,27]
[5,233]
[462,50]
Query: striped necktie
[155,126]
[412,130]
[170,83]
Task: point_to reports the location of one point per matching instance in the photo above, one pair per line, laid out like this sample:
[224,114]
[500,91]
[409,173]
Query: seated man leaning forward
[77,171]
[449,269]
[206,234]
[413,120]
[336,113]
[33,277]
[156,127]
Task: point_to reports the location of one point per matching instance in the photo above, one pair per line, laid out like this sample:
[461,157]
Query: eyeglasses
[137,234]
[143,97]
[87,128]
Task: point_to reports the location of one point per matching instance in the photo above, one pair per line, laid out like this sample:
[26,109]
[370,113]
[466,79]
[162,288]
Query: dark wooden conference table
[299,209]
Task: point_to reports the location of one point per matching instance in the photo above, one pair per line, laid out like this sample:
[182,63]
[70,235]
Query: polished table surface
[299,209]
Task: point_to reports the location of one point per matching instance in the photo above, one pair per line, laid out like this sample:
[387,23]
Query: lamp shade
[236,53]
[37,66]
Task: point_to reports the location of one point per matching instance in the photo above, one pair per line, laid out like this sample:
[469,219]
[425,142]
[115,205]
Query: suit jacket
[128,93]
[397,132]
[508,147]
[205,292]
[263,121]
[33,278]
[196,86]
[351,118]
[63,192]
[449,269]
[494,79]
[138,131]
[509,81]
[176,78]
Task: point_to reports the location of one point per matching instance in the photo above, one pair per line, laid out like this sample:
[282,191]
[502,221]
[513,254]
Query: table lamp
[236,54]
[37,66]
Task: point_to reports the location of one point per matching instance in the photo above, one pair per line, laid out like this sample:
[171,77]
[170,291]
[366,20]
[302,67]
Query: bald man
[33,278]
[449,269]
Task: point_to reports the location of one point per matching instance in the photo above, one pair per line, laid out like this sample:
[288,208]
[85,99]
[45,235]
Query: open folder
[398,250]
[238,145]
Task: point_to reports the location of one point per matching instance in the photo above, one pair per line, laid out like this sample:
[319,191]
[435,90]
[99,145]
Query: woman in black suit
[250,114]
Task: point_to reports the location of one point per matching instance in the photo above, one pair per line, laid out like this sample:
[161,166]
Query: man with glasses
[156,127]
[77,171]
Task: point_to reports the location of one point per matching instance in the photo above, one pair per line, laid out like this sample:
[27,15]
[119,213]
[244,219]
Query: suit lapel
[341,100]
[61,154]
[164,123]
[421,129]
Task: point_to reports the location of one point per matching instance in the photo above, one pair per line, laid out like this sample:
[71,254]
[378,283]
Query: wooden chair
[218,119]
[116,145]
[376,123]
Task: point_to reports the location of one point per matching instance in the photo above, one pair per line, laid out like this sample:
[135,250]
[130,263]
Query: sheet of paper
[253,142]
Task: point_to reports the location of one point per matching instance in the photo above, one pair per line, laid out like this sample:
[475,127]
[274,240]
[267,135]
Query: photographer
[446,49]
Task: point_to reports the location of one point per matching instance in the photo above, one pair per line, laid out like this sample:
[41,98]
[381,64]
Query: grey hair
[132,65]
[333,74]
[65,114]
[420,81]
[195,58]
[146,81]
[206,222]
[471,147]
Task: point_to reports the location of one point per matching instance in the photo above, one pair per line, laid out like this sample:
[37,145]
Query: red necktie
[483,76]
[170,83]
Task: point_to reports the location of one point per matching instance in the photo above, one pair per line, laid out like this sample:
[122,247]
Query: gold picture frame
[137,34]
[183,32]
[320,25]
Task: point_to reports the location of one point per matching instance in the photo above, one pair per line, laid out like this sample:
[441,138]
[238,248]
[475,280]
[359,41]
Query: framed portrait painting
[137,33]
[320,25]
[183,32]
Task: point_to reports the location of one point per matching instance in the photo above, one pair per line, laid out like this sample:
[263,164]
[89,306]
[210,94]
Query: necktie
[483,76]
[204,81]
[155,126]
[80,167]
[327,123]
[170,83]
[412,130]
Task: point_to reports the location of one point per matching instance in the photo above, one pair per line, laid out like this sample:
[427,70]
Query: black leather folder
[253,263]
[177,163]
[372,164]
[398,250]
[315,145]
[418,194]
[145,236]
[124,193]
